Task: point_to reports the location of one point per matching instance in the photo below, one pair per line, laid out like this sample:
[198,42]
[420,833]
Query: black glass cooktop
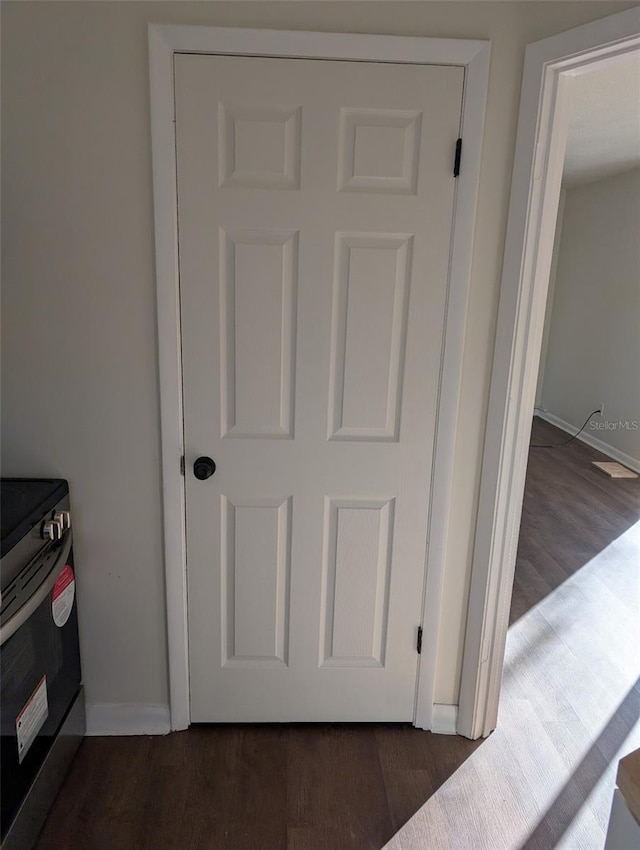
[23,503]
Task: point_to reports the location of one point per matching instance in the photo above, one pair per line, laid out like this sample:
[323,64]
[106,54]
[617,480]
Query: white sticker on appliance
[29,721]
[64,591]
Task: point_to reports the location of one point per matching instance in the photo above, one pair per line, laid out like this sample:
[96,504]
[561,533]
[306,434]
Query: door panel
[315,204]
[258,276]
[357,567]
[255,571]
[368,335]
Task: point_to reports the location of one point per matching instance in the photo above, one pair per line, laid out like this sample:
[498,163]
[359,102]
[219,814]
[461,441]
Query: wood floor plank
[335,780]
[162,804]
[406,791]
[314,838]
[242,771]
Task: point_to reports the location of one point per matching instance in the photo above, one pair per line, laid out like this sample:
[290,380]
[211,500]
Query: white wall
[80,386]
[593,354]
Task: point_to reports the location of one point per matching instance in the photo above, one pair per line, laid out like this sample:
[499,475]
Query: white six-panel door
[315,205]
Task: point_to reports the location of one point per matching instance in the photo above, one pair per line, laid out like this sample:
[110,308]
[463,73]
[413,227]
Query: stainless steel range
[41,696]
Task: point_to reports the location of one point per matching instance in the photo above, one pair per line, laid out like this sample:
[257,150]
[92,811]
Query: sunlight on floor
[569,711]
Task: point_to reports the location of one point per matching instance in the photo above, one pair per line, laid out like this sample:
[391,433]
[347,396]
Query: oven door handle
[33,602]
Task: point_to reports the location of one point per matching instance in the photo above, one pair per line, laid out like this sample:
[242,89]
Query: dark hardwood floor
[571,513]
[544,779]
[298,787]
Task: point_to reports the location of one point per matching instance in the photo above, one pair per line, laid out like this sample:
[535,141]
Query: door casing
[473,56]
[533,209]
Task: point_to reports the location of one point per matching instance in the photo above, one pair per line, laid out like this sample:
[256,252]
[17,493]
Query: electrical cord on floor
[566,442]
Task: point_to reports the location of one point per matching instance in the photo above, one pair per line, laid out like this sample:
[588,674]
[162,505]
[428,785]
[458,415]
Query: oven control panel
[55,526]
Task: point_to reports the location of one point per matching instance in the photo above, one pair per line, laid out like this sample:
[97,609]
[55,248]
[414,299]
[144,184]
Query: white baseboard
[445,719]
[141,719]
[127,719]
[588,438]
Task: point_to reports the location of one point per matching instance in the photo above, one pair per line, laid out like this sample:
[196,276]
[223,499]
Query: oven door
[40,664]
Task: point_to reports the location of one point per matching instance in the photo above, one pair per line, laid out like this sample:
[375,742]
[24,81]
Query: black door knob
[203,468]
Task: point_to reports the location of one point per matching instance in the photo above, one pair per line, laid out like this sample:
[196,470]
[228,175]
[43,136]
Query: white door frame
[164,42]
[535,190]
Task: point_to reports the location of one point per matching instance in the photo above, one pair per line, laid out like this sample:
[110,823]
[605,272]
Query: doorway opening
[551,66]
[575,622]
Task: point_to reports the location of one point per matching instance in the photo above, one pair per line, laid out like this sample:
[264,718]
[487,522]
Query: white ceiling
[604,128]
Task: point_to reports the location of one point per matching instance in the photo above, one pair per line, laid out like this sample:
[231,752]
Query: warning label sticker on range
[29,721]
[64,591]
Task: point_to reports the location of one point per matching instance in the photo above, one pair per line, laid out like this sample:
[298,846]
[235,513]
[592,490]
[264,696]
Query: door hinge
[419,642]
[456,161]
[182,465]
